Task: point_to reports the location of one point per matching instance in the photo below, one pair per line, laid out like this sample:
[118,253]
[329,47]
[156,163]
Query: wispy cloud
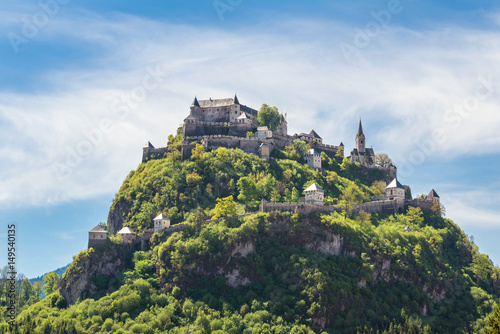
[478,209]
[404,86]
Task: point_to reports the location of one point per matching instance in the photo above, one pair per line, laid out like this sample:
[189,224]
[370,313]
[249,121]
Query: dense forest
[235,270]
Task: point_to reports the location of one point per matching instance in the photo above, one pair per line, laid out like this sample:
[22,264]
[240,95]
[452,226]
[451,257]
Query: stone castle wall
[150,153]
[95,242]
[330,150]
[214,114]
[198,129]
[302,207]
[385,206]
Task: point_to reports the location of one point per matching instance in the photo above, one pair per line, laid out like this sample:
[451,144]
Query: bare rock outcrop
[91,271]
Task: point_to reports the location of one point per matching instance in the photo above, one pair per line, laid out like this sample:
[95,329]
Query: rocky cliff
[91,271]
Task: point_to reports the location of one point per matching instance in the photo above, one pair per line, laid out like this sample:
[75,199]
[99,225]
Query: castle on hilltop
[226,123]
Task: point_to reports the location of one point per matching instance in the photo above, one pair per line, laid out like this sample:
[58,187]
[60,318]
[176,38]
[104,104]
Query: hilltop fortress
[226,122]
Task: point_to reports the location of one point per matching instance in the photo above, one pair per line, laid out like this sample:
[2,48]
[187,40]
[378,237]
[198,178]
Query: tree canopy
[269,116]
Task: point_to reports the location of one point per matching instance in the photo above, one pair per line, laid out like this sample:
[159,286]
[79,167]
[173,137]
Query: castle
[226,123]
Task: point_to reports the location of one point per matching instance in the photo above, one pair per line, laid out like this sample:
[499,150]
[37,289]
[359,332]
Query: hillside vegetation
[274,272]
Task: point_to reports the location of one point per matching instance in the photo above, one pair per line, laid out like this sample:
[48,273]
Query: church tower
[360,139]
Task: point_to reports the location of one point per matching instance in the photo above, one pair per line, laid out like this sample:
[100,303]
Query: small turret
[195,102]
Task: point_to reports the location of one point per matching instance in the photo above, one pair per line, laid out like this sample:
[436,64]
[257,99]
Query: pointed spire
[236,99]
[360,129]
[148,145]
[195,102]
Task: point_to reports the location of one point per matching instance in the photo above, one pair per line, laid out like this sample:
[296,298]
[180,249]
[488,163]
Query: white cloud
[401,88]
[478,209]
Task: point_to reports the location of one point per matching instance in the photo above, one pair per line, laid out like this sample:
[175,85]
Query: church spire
[360,129]
[360,139]
[236,99]
[195,102]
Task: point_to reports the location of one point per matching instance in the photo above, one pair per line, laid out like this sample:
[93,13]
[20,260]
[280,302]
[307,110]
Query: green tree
[248,192]
[50,283]
[415,216]
[26,290]
[494,321]
[378,187]
[350,196]
[250,134]
[382,160]
[269,116]
[225,207]
[300,146]
[37,288]
[198,153]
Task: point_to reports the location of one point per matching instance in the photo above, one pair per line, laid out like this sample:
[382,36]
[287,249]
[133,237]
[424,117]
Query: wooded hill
[271,272]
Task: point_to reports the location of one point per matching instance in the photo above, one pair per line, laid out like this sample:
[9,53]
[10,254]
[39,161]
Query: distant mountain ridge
[58,271]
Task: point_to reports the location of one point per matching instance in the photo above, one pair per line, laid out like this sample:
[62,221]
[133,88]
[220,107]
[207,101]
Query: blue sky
[84,85]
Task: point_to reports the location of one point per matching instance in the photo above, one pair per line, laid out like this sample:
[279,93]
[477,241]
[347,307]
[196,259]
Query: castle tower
[395,191]
[97,236]
[147,149]
[283,126]
[161,222]
[314,194]
[127,235]
[360,139]
[433,196]
[313,158]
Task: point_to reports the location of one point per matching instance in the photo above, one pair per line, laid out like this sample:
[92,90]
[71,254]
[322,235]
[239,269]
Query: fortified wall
[385,206]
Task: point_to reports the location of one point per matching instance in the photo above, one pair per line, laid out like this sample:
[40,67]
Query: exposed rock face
[332,246]
[243,249]
[115,217]
[235,279]
[80,279]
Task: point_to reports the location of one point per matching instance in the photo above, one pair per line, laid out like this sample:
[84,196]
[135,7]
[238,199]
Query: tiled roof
[98,228]
[161,216]
[126,230]
[243,116]
[395,184]
[195,102]
[313,187]
[433,193]
[314,134]
[313,151]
